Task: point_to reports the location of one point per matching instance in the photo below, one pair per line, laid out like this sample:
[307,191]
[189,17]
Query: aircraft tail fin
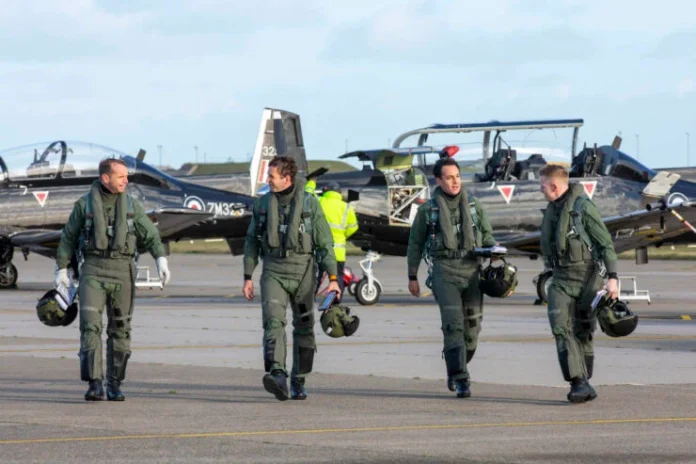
[280,133]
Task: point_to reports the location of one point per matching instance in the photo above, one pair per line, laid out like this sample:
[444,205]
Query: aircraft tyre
[351,288]
[543,282]
[8,276]
[365,295]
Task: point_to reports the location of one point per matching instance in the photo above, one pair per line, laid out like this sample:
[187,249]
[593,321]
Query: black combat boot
[276,383]
[297,389]
[451,385]
[581,391]
[114,393]
[95,392]
[463,388]
[116,363]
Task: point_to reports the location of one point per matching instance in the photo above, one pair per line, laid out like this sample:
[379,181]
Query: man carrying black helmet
[445,232]
[577,247]
[107,227]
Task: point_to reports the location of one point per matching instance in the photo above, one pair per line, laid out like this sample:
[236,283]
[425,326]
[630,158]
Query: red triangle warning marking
[41,197]
[590,187]
[506,192]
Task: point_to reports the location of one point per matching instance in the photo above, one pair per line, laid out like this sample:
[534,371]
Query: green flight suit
[289,273]
[576,278]
[107,279]
[455,274]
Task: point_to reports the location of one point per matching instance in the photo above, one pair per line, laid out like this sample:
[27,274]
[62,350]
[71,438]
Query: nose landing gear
[8,271]
[369,288]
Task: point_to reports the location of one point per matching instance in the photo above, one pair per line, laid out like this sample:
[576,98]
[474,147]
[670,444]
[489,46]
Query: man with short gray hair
[106,228]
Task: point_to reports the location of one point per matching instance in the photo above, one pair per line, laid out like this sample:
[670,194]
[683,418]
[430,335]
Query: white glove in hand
[163,270]
[61,278]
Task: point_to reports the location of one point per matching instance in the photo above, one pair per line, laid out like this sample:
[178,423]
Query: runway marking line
[347,430]
[685,317]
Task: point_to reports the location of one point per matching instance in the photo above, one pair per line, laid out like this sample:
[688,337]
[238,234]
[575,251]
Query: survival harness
[578,229]
[305,227]
[88,233]
[433,226]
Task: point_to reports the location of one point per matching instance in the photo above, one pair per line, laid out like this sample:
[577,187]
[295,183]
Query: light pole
[159,147]
[687,149]
[638,147]
[195,147]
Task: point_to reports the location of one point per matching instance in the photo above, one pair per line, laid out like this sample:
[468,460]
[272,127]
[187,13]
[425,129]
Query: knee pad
[561,336]
[273,323]
[89,329]
[452,328]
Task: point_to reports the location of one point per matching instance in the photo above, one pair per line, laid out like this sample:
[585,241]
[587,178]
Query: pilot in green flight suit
[107,227]
[289,232]
[577,247]
[447,228]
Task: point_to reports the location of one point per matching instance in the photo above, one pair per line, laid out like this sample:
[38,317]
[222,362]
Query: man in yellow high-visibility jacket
[342,221]
[311,187]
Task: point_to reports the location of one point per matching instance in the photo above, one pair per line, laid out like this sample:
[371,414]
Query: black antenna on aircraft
[141,155]
[616,144]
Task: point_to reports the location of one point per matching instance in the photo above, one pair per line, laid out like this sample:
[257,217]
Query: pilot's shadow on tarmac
[437,396]
[69,392]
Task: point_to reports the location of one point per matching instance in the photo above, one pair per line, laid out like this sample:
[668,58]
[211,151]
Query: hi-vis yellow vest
[341,219]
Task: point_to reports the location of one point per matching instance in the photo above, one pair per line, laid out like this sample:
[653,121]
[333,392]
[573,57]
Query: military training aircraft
[640,206]
[40,183]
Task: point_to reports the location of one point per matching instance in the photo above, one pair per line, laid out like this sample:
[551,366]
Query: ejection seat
[529,169]
[499,167]
[587,163]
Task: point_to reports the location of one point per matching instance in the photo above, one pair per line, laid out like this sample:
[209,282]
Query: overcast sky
[131,74]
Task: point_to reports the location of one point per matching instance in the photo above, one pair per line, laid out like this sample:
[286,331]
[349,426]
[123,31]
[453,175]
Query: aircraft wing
[632,230]
[40,241]
[169,221]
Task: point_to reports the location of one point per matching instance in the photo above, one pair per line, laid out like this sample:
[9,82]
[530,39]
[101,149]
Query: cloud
[159,30]
[362,43]
[676,45]
[686,86]
[451,34]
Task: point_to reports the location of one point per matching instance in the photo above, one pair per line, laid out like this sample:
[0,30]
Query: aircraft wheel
[542,286]
[8,276]
[351,288]
[367,295]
